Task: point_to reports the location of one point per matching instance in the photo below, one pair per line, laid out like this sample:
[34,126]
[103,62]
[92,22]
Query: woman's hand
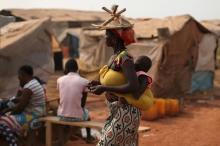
[93,83]
[98,89]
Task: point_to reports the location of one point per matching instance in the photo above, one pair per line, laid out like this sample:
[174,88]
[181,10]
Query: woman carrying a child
[121,127]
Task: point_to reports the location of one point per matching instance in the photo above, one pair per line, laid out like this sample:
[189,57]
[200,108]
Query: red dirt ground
[198,125]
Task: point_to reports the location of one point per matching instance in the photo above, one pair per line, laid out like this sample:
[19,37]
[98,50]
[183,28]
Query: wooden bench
[51,100]
[90,124]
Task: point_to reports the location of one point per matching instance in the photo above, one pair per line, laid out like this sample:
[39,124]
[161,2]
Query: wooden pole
[48,133]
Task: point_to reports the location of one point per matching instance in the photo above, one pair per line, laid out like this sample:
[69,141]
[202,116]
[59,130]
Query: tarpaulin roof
[148,28]
[59,14]
[24,43]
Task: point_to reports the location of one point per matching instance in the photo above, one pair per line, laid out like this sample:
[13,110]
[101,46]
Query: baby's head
[143,63]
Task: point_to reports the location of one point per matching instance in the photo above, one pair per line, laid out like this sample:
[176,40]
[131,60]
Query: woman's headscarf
[126,34]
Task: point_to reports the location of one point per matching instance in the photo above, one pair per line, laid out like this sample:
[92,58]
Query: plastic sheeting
[93,53]
[201,81]
[206,57]
[24,43]
[4,20]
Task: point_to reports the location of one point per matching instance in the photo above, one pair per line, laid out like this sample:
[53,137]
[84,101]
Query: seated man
[6,104]
[72,93]
[29,104]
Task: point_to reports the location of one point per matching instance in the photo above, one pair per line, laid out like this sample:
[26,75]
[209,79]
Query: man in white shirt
[73,96]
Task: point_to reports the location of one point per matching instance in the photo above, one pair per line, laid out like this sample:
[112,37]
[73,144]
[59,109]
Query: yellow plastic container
[167,106]
[150,114]
[174,107]
[160,104]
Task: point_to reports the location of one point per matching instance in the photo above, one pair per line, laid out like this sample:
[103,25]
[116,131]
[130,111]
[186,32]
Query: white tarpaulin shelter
[24,43]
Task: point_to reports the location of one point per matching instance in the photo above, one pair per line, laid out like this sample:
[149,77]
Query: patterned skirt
[121,127]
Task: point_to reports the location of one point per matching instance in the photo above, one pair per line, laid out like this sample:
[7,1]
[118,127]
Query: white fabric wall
[206,61]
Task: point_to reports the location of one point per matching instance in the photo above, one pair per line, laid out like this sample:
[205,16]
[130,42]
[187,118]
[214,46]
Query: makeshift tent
[70,38]
[23,43]
[9,14]
[176,46]
[62,20]
[4,20]
[93,53]
[70,44]
[187,52]
[59,15]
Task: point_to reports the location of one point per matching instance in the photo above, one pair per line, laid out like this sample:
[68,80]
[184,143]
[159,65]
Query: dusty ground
[198,125]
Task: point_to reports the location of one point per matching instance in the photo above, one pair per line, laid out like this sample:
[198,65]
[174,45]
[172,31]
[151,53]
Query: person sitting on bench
[7,104]
[29,104]
[73,96]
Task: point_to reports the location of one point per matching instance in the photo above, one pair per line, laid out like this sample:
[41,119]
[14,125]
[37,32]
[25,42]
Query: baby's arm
[143,82]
